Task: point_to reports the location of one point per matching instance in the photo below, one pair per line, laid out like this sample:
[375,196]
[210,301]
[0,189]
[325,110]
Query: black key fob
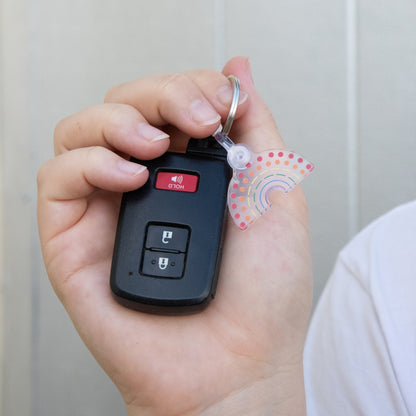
[169,236]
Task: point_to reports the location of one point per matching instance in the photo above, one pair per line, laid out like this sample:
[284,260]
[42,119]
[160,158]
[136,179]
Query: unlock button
[165,237]
[161,264]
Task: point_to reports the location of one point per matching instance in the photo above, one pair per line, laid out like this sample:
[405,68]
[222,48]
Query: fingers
[76,174]
[116,126]
[194,102]
[70,178]
[257,128]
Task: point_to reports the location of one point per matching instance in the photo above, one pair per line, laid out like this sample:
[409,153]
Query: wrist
[280,394]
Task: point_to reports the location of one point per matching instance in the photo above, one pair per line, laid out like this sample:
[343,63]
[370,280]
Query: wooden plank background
[339,76]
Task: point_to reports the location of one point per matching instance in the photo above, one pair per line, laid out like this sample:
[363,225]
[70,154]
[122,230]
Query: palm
[178,358]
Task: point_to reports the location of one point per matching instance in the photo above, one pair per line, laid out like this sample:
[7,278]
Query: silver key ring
[234,103]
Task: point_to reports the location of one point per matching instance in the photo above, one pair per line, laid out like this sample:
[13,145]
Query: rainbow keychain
[255,175]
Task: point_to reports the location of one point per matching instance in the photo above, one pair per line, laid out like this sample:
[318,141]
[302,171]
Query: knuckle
[208,78]
[58,135]
[205,74]
[112,94]
[89,159]
[92,154]
[64,129]
[171,83]
[118,114]
[95,156]
[112,122]
[119,118]
[42,175]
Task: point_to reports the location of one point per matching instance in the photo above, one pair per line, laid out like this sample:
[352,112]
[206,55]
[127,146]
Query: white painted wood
[351,29]
[2,265]
[387,50]
[18,206]
[298,55]
[75,57]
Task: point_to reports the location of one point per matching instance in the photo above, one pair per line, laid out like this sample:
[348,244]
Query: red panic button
[175,181]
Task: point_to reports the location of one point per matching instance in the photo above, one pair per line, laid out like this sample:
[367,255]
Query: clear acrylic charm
[248,192]
[255,175]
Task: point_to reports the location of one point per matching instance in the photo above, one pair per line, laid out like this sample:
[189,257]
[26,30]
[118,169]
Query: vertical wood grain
[387,70]
[220,34]
[87,48]
[298,55]
[2,265]
[18,205]
[352,116]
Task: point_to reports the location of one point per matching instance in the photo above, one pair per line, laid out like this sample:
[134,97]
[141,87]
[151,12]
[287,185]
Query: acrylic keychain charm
[255,175]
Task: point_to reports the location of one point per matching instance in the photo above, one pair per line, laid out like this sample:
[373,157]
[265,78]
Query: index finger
[194,102]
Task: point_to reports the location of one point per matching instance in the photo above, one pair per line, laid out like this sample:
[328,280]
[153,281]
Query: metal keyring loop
[234,103]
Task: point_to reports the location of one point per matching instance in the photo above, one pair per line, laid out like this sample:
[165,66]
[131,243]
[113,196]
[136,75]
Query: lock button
[161,264]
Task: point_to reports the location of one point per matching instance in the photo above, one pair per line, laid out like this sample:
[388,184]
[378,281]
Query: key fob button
[162,264]
[163,237]
[180,182]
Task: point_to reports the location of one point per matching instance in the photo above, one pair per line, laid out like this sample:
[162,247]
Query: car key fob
[169,236]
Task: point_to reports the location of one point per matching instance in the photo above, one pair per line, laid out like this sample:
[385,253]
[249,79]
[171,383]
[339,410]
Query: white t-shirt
[360,353]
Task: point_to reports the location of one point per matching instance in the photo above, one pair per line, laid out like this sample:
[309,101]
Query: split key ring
[234,103]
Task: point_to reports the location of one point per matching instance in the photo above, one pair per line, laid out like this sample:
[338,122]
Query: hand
[243,354]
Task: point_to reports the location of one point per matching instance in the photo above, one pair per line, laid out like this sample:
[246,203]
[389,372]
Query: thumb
[257,126]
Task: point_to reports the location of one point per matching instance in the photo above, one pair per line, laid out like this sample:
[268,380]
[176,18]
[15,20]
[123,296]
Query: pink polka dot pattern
[249,188]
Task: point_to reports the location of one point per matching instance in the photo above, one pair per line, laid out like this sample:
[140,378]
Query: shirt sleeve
[360,351]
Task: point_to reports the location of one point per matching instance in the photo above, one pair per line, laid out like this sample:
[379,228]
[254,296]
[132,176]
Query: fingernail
[150,133]
[225,95]
[203,114]
[130,168]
